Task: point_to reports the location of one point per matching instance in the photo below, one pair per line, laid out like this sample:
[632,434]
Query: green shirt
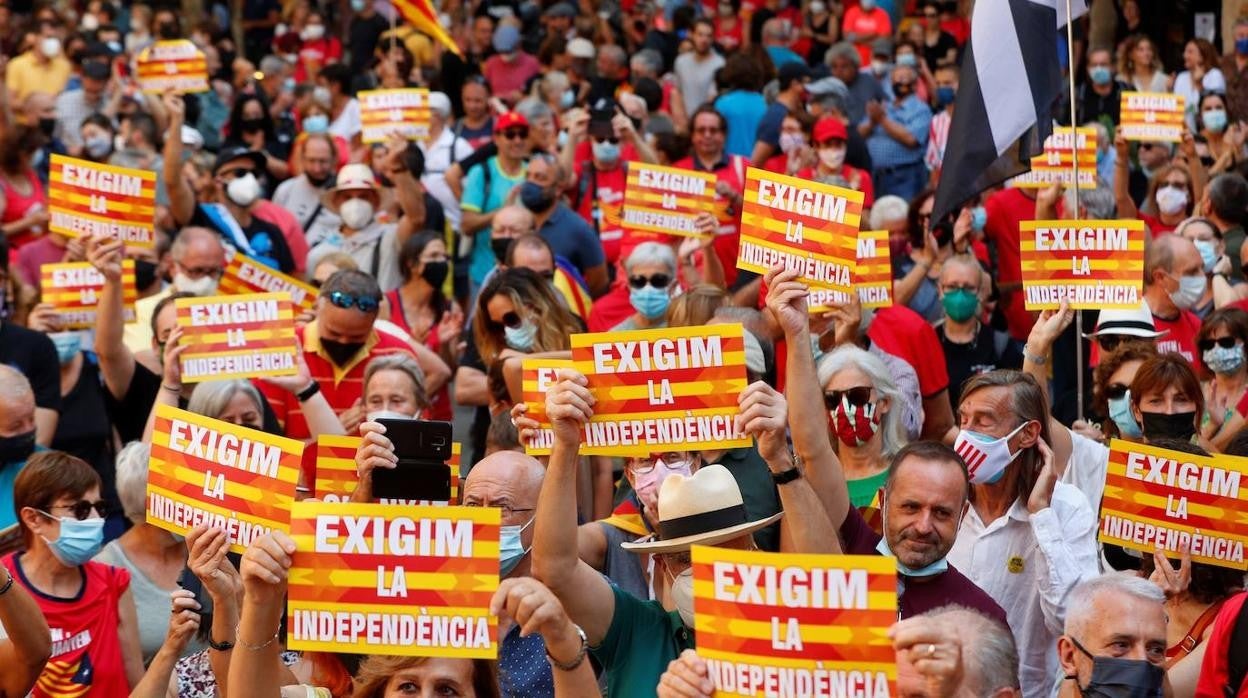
[862,492]
[642,640]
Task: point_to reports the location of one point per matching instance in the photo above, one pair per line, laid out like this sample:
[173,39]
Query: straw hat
[354,177]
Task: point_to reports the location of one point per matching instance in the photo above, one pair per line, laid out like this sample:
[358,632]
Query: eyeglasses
[507,510]
[1224,342]
[81,509]
[656,280]
[201,272]
[511,319]
[512,134]
[1115,391]
[857,397]
[366,304]
[671,461]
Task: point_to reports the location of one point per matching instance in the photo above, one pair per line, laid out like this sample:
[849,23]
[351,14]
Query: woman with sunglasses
[1221,344]
[651,273]
[1111,388]
[864,418]
[518,314]
[88,605]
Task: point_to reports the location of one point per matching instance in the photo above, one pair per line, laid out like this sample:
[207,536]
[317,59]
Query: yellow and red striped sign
[802,225]
[245,275]
[537,376]
[1089,264]
[176,65]
[666,200]
[247,336]
[385,112]
[873,276]
[391,579]
[205,471]
[87,198]
[74,288]
[1151,116]
[765,620]
[1053,166]
[335,469]
[1155,498]
[665,389]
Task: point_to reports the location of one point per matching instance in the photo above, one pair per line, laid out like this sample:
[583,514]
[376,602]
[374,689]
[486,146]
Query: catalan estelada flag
[420,14]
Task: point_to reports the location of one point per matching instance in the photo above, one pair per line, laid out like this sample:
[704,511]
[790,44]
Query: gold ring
[931,650]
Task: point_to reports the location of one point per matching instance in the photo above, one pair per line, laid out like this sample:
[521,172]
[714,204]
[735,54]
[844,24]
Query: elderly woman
[651,275]
[89,604]
[394,387]
[153,556]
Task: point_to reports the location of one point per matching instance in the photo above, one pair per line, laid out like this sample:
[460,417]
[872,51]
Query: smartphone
[188,581]
[422,473]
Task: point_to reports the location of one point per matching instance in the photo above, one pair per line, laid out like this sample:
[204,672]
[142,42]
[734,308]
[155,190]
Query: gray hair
[211,397]
[534,109]
[892,426]
[131,471]
[191,235]
[988,649]
[14,385]
[831,101]
[272,65]
[888,209]
[404,363]
[650,59]
[1099,202]
[1081,603]
[651,253]
[556,80]
[845,50]
[615,53]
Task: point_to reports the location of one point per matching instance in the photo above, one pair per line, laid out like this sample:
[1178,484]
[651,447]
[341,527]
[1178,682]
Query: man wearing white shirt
[1027,539]
[442,149]
[303,195]
[344,109]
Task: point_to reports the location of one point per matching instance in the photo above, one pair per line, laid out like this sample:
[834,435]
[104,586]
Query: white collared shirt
[439,156]
[1028,564]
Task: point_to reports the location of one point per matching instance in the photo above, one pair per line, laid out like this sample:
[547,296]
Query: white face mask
[790,142]
[1190,289]
[682,595]
[986,457]
[1171,200]
[243,191]
[312,32]
[832,158]
[356,214]
[203,286]
[879,67]
[50,46]
[90,22]
[321,95]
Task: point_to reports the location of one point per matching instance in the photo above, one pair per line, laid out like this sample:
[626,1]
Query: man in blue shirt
[896,131]
[487,188]
[777,37]
[791,100]
[567,232]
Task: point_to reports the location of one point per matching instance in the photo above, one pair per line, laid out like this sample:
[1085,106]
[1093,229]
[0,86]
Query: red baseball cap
[830,127]
[508,120]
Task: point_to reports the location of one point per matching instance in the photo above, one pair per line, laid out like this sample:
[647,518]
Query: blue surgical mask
[68,344]
[79,540]
[606,152]
[510,548]
[288,85]
[358,5]
[1208,253]
[651,302]
[1241,47]
[1214,120]
[979,218]
[1120,412]
[1100,74]
[317,123]
[945,96]
[907,59]
[882,548]
[567,99]
[521,338]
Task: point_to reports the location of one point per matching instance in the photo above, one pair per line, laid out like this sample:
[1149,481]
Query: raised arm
[786,299]
[254,670]
[29,644]
[116,359]
[224,585]
[183,624]
[585,594]
[536,610]
[181,198]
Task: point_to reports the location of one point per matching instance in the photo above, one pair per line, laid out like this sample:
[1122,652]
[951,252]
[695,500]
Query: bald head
[197,241]
[1171,256]
[512,222]
[38,105]
[511,481]
[17,403]
[960,267]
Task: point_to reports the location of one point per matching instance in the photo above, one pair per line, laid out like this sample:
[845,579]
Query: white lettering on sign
[1185,476]
[792,587]
[374,535]
[101,181]
[224,449]
[803,202]
[661,354]
[1081,239]
[235,313]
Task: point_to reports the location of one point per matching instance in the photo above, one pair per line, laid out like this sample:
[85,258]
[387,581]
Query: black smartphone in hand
[423,449]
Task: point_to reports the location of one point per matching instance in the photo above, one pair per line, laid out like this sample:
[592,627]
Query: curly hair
[1134,350]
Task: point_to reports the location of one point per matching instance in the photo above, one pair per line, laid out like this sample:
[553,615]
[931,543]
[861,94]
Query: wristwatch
[220,646]
[580,655]
[784,477]
[307,393]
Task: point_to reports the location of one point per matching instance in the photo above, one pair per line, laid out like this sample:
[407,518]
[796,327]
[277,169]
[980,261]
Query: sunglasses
[513,134]
[235,174]
[82,509]
[511,319]
[612,140]
[655,280]
[346,301]
[1115,391]
[857,397]
[1110,342]
[1224,342]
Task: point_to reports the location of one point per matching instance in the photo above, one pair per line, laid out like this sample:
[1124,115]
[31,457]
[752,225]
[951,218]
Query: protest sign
[665,389]
[394,580]
[205,471]
[335,470]
[1053,166]
[1089,264]
[385,112]
[246,336]
[537,376]
[1151,116]
[245,275]
[1155,498]
[798,625]
[176,65]
[666,200]
[873,276]
[74,288]
[801,224]
[87,198]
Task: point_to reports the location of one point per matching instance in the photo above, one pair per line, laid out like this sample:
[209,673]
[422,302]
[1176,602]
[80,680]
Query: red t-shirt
[1006,210]
[600,194]
[1155,226]
[859,22]
[730,170]
[86,649]
[729,39]
[1180,337]
[440,402]
[1215,669]
[321,52]
[905,334]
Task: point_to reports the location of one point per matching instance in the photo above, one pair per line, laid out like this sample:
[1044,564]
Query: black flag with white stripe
[1010,78]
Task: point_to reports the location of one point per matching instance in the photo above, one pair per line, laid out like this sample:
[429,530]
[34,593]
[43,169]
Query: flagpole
[1074,167]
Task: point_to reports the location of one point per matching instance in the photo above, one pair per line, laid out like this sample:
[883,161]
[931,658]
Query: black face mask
[435,273]
[47,126]
[500,245]
[319,182]
[1179,426]
[1113,677]
[341,352]
[144,274]
[251,125]
[17,448]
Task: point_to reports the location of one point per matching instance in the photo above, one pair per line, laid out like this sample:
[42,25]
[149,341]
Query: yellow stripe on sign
[482,515]
[801,253]
[678,389]
[191,476]
[466,611]
[830,238]
[1050,265]
[425,581]
[213,508]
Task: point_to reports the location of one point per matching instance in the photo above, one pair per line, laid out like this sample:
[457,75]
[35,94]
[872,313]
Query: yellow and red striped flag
[422,15]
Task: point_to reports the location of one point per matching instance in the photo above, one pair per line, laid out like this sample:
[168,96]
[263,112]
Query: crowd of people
[442,264]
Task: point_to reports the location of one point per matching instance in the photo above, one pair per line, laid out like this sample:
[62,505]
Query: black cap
[793,70]
[240,152]
[96,70]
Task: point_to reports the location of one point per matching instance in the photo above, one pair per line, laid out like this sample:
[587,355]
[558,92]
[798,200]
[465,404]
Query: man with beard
[896,131]
[303,195]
